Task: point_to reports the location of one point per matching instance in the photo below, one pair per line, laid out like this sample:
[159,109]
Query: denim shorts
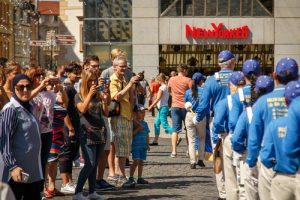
[139,154]
[178,117]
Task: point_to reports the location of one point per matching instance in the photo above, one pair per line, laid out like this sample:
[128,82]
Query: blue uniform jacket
[292,139]
[220,123]
[215,89]
[272,151]
[240,134]
[194,101]
[267,108]
[238,106]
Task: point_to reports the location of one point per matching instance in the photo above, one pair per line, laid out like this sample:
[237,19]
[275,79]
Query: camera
[106,82]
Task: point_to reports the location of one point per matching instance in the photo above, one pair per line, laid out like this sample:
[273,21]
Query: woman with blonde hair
[11,70]
[92,102]
[163,108]
[3,96]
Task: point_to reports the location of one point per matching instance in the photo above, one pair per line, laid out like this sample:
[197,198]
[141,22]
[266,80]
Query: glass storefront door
[204,58]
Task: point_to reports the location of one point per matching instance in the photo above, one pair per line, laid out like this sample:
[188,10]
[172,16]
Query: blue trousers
[91,155]
[161,119]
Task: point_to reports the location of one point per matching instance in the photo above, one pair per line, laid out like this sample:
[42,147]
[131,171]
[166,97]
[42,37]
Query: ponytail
[194,90]
[254,95]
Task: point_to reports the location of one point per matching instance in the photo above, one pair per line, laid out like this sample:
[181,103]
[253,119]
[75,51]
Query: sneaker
[114,178]
[201,163]
[68,188]
[79,196]
[142,181]
[94,195]
[103,185]
[193,166]
[154,144]
[130,183]
[122,180]
[178,141]
[173,155]
[78,164]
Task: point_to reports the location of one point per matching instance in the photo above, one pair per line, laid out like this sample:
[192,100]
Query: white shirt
[165,96]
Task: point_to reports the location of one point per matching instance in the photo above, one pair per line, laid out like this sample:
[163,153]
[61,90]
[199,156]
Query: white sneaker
[94,195]
[69,188]
[79,196]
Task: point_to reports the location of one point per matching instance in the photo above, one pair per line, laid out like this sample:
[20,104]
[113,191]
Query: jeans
[161,119]
[178,117]
[91,155]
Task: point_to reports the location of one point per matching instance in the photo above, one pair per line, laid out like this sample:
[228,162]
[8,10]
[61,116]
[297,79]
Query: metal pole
[51,56]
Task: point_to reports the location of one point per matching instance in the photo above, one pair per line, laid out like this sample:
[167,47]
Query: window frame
[165,12]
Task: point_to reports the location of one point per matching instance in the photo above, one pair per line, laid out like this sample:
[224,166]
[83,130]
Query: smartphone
[106,82]
[25,177]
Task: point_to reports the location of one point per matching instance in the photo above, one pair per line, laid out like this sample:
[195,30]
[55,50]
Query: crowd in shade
[79,115]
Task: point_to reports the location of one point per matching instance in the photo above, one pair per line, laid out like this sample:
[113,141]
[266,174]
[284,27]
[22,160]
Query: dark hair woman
[19,134]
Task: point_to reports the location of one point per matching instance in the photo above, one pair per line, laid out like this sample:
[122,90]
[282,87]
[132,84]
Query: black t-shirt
[92,118]
[72,111]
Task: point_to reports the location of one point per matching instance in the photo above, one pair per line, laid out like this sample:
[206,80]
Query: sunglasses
[95,66]
[22,87]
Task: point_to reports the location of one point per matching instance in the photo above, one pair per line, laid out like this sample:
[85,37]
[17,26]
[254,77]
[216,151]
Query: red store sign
[217,32]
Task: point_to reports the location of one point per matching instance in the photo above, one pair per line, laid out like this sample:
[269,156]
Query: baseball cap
[287,66]
[197,77]
[139,107]
[265,83]
[237,78]
[292,90]
[224,56]
[251,66]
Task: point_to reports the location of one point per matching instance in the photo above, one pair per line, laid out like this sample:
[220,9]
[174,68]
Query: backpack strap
[241,95]
[217,76]
[229,102]
[249,114]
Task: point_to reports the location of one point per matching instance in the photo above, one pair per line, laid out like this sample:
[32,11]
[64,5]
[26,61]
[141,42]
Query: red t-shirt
[155,87]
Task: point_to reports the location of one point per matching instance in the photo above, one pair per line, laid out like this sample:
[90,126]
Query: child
[140,145]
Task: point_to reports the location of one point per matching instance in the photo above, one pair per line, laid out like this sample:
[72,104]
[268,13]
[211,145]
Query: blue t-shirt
[139,141]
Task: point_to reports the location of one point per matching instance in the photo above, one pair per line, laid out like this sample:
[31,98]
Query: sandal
[48,193]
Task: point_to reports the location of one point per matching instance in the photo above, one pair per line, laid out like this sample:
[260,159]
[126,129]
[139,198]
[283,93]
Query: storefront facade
[165,33]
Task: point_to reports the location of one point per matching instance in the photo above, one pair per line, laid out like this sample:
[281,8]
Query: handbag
[114,108]
[217,159]
[95,135]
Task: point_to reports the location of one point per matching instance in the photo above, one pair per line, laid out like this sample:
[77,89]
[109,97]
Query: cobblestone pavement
[169,178]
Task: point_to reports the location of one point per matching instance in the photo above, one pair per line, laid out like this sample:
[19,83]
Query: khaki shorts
[122,129]
[108,134]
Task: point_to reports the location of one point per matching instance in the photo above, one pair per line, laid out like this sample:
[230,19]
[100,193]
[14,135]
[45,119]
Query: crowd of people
[52,119]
